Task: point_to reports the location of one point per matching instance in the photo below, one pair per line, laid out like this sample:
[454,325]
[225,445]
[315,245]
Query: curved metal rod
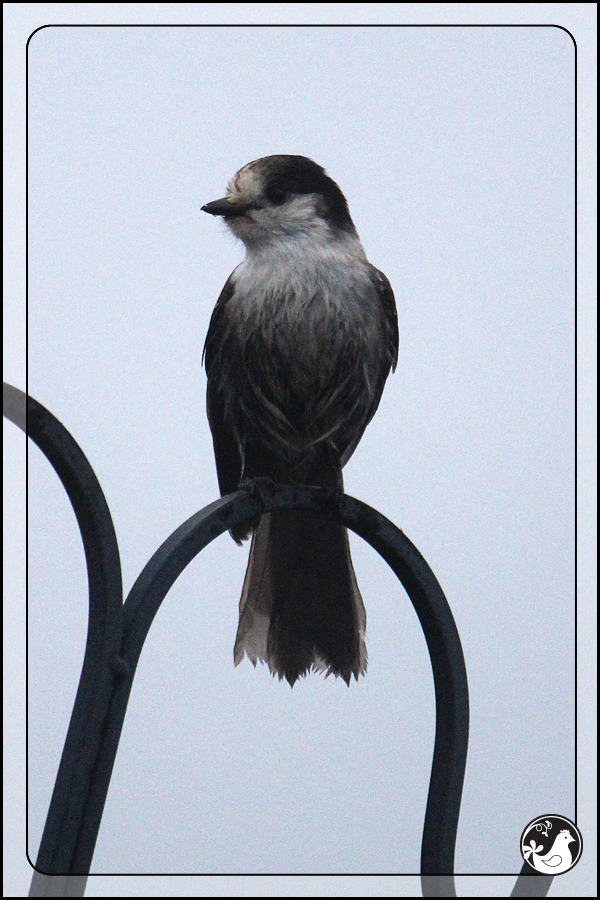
[450,678]
[531,884]
[107,675]
[71,792]
[449,674]
[142,604]
[14,405]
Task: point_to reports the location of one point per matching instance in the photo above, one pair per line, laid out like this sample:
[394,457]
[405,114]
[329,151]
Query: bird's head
[283,198]
[566,835]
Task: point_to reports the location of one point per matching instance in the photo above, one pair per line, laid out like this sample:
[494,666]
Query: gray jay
[299,347]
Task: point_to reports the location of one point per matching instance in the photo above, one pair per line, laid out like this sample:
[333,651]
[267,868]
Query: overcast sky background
[455,150]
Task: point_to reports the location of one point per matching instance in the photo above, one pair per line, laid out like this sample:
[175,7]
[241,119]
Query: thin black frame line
[301,25]
[575,224]
[575,273]
[27,449]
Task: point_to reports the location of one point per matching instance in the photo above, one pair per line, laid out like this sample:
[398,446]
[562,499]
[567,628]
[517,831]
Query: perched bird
[299,347]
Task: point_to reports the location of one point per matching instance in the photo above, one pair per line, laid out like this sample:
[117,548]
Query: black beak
[225,208]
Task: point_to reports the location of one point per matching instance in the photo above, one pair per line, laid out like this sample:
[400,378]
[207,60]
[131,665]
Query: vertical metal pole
[57,885]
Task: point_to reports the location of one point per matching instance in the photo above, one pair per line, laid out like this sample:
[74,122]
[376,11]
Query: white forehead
[247,183]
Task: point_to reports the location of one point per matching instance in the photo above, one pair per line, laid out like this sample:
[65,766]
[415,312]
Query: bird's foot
[261,487]
[332,496]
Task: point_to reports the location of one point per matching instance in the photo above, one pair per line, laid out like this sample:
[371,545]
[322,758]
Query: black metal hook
[117,631]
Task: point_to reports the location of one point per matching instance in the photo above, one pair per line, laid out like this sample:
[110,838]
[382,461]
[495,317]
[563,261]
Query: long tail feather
[301,608]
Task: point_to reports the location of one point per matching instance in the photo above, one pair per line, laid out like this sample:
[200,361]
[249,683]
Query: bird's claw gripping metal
[260,488]
[279,496]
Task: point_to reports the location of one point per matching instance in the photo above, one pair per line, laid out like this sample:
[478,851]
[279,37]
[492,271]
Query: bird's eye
[277,196]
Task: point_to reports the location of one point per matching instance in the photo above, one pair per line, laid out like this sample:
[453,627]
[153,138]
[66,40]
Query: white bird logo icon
[557,860]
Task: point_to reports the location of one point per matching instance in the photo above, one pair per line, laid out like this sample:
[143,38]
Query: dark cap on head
[285,175]
[272,181]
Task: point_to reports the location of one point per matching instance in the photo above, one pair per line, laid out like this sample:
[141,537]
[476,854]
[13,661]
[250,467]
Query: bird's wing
[226,447]
[389,359]
[388,303]
[214,335]
[553,861]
